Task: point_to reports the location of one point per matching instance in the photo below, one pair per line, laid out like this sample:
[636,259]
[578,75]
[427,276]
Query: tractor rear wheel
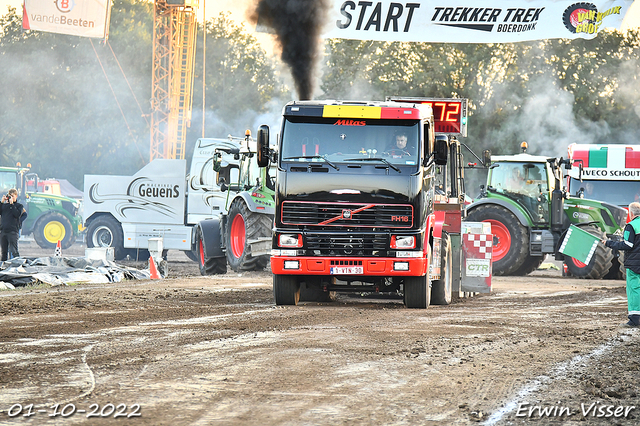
[617,270]
[243,226]
[510,238]
[600,262]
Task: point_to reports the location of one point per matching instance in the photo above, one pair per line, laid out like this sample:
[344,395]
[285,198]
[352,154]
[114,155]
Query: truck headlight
[403,242]
[289,240]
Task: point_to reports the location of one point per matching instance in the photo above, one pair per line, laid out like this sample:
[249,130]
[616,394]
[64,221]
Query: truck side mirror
[441,150]
[486,157]
[263,146]
[580,171]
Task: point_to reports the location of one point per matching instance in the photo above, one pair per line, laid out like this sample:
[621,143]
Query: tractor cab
[525,179]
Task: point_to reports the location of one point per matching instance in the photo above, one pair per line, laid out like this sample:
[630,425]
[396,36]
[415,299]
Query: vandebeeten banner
[84,18]
[472,21]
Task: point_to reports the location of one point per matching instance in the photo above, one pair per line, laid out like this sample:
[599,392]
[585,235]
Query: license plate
[347,270]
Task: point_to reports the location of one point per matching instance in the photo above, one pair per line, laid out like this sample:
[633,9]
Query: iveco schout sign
[84,18]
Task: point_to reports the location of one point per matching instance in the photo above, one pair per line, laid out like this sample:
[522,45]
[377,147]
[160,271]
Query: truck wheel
[510,238]
[441,289]
[530,264]
[417,292]
[211,265]
[243,225]
[286,289]
[51,228]
[599,264]
[105,231]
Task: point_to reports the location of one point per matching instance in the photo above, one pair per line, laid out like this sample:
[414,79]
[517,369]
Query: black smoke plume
[297,25]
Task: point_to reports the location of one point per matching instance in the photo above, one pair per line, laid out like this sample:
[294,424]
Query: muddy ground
[191,350]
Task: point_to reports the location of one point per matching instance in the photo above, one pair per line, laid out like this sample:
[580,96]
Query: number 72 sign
[449,114]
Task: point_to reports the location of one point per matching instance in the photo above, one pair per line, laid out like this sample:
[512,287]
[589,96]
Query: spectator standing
[631,246]
[10,224]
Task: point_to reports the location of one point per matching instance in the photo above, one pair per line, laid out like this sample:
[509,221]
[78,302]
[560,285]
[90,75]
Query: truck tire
[105,231]
[286,289]
[599,264]
[51,228]
[441,289]
[211,265]
[243,225]
[530,264]
[510,238]
[417,292]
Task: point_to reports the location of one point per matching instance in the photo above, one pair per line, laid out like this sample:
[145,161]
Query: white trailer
[159,201]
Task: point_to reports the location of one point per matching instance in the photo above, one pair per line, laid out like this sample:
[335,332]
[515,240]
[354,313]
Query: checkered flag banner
[58,250]
[479,245]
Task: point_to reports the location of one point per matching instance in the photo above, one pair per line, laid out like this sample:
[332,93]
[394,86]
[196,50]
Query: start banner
[472,21]
[84,18]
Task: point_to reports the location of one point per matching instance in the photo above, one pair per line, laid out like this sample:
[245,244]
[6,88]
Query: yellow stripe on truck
[351,111]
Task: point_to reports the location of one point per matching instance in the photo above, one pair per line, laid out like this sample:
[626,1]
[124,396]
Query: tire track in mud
[199,356]
[556,373]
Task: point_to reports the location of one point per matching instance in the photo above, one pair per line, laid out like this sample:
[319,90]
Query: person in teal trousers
[631,247]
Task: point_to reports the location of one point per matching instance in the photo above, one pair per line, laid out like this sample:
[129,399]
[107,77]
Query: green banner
[579,244]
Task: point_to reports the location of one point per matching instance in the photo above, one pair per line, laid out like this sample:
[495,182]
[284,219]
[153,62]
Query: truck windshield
[522,178]
[339,140]
[525,183]
[616,192]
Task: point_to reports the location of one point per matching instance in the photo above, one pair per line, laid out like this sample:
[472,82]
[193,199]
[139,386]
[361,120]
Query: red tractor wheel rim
[503,236]
[237,236]
[578,263]
[201,252]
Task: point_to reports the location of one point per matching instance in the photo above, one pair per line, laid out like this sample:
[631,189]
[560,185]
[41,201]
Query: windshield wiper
[376,159]
[312,157]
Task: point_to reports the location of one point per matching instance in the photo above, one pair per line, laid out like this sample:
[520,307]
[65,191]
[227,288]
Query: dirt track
[215,350]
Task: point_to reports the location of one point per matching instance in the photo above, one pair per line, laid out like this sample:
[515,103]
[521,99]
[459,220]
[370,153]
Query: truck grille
[347,214]
[360,244]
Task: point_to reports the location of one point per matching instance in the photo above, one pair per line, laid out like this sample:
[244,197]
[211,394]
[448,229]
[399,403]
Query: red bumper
[379,266]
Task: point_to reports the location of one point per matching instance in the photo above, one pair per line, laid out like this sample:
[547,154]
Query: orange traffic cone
[154,275]
[58,252]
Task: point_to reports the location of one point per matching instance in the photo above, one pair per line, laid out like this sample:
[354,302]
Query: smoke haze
[297,25]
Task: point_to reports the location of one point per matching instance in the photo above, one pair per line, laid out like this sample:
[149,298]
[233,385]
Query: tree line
[72,106]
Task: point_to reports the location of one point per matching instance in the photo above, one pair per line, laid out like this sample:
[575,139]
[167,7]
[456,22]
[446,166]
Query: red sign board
[449,114]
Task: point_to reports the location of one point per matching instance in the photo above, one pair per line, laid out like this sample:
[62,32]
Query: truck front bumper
[349,266]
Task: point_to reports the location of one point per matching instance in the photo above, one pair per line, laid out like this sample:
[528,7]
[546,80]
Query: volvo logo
[346,214]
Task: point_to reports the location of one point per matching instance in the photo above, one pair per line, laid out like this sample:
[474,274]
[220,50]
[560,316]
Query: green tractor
[530,213]
[51,218]
[246,228]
